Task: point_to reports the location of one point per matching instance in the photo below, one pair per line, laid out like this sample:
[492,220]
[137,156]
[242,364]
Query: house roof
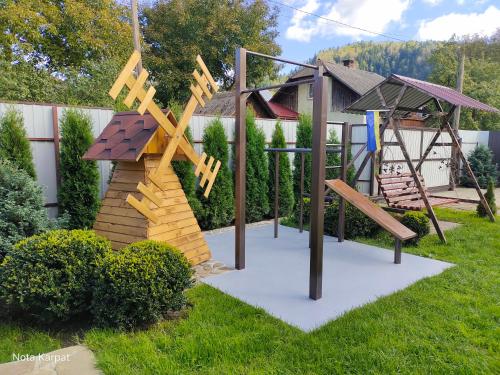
[359,81]
[417,94]
[124,138]
[283,112]
[223,104]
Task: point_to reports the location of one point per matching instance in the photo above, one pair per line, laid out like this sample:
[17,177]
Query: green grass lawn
[448,324]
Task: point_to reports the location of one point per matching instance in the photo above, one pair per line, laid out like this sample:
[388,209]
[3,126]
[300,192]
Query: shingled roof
[124,138]
[223,104]
[359,81]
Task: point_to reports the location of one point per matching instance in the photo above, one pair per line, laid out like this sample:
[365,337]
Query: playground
[281,284]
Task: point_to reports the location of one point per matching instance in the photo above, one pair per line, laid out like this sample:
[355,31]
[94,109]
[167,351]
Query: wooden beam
[418,183]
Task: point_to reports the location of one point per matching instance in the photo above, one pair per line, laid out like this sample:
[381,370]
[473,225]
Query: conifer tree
[79,192]
[490,198]
[14,143]
[286,199]
[304,140]
[218,209]
[257,205]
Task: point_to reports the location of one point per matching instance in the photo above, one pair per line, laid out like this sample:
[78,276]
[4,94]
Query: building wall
[305,105]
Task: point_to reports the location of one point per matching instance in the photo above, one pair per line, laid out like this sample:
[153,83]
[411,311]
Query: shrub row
[61,274]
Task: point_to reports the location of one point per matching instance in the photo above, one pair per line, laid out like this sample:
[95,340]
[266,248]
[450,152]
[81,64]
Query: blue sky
[302,35]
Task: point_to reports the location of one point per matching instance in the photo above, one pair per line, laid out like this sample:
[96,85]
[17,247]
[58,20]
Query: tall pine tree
[14,143]
[257,206]
[79,192]
[304,140]
[286,200]
[218,209]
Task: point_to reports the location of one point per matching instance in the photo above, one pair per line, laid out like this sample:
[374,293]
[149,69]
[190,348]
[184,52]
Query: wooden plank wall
[122,224]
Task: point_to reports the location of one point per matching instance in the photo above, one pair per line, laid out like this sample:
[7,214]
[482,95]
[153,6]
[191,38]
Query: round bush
[50,276]
[357,224]
[417,222]
[139,284]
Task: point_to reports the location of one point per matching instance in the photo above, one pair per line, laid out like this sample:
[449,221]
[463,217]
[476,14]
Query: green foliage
[257,205]
[14,144]
[332,159]
[490,198]
[22,213]
[218,209]
[213,29]
[481,163]
[357,224]
[286,199]
[304,140]
[481,76]
[50,276]
[417,222]
[406,58]
[62,52]
[79,192]
[62,34]
[139,284]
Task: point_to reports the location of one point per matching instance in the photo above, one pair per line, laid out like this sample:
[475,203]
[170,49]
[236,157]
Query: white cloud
[432,2]
[444,27]
[372,15]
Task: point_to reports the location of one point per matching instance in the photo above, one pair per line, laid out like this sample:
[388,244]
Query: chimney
[348,63]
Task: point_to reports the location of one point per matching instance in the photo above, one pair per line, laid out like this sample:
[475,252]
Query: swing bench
[401,193]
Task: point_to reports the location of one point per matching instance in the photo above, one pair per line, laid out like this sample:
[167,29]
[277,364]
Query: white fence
[40,121]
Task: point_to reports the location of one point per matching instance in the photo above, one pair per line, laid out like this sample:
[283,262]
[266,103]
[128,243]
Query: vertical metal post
[240,158]
[318,184]
[301,203]
[57,155]
[397,250]
[343,176]
[276,191]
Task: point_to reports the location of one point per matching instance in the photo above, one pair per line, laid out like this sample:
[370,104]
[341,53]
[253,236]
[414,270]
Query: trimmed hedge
[218,209]
[22,212]
[357,224]
[286,200]
[50,276]
[417,222]
[140,284]
[14,143]
[79,192]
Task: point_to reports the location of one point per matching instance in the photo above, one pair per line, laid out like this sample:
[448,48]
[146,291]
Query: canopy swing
[397,96]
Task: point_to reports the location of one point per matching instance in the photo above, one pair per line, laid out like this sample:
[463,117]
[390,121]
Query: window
[311,91]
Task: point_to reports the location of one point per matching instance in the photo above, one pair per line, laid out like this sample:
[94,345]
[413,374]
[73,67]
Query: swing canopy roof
[417,95]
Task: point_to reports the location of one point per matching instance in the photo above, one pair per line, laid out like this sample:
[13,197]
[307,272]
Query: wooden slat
[172,225]
[112,236]
[207,74]
[370,209]
[142,208]
[139,222]
[213,175]
[175,233]
[119,228]
[124,74]
[206,173]
[132,94]
[197,96]
[147,99]
[404,197]
[149,194]
[203,84]
[201,164]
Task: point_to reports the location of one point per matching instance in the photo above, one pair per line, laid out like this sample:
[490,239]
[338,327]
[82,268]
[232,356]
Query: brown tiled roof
[360,81]
[124,138]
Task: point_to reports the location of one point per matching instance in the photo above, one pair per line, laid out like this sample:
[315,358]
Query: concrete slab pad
[276,277]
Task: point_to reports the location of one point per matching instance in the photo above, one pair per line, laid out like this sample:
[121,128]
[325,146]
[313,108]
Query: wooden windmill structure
[145,199]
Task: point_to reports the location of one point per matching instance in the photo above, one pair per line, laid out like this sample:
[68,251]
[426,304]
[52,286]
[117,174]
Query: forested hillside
[406,58]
